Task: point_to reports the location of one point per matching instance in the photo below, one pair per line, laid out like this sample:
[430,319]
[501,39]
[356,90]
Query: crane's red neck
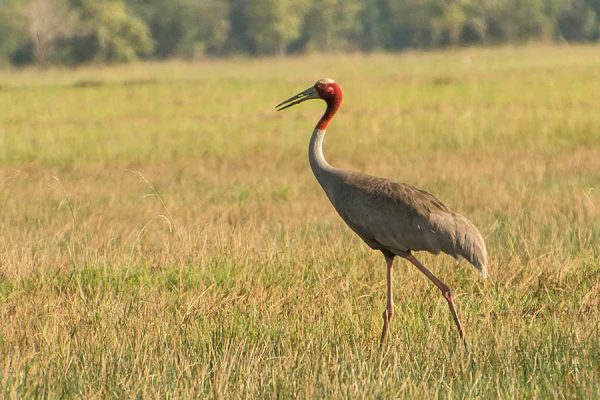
[331,92]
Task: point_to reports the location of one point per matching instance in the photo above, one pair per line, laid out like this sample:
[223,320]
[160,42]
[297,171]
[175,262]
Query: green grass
[161,234]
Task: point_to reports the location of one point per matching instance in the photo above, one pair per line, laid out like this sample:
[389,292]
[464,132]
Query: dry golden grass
[162,235]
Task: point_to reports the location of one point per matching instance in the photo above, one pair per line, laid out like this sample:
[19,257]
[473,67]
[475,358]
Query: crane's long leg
[389,308]
[443,288]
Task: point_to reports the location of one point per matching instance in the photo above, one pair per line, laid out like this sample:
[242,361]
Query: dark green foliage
[579,21]
[266,26]
[123,30]
[107,32]
[14,43]
[184,27]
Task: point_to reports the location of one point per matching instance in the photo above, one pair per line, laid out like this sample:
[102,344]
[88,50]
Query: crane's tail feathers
[482,267]
[469,244]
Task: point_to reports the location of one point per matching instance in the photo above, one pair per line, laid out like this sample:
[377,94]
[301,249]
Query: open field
[161,233]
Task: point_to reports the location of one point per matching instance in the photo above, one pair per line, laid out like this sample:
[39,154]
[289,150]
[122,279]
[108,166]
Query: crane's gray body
[393,217]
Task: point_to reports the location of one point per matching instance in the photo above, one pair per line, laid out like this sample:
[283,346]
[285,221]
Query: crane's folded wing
[399,218]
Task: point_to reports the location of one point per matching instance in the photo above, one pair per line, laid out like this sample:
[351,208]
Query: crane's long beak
[310,93]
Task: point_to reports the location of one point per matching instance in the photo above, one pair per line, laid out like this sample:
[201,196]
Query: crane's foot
[387,316]
[448,296]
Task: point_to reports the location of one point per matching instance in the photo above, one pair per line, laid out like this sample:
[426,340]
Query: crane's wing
[398,218]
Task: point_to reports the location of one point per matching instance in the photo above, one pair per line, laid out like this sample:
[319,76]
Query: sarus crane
[394,218]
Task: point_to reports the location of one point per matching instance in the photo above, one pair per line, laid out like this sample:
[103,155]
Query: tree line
[71,32]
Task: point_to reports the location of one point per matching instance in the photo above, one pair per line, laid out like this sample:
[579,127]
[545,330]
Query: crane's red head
[326,89]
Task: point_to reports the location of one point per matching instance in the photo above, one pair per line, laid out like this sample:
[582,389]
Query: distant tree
[372,20]
[579,21]
[211,20]
[184,28]
[166,21]
[49,21]
[14,33]
[512,20]
[412,23]
[447,27]
[105,32]
[332,24]
[267,26]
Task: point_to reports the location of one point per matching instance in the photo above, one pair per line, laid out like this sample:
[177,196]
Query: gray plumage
[396,218]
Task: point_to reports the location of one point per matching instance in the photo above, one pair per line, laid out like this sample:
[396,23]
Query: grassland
[161,233]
